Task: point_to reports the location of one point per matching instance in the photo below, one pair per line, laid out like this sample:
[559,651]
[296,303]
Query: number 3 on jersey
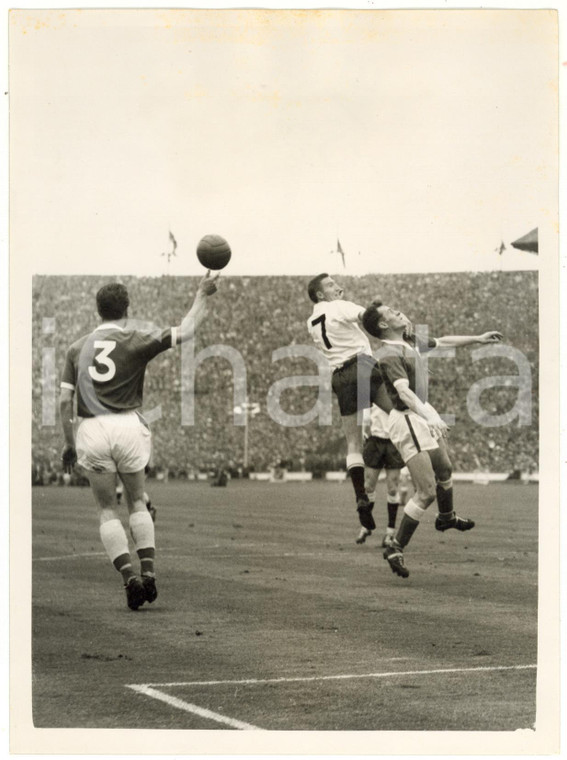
[321,320]
[103,358]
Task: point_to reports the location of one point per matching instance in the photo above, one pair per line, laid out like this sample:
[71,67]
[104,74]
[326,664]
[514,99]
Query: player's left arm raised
[207,287]
[455,341]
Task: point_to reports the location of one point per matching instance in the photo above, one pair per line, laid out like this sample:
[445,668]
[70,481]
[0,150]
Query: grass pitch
[270,616]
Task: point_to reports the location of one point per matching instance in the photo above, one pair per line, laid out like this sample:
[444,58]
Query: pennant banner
[528,243]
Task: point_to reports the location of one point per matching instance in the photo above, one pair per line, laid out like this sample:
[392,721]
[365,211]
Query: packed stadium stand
[256,316]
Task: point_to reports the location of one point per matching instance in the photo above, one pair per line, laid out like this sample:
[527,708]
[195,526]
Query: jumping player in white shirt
[105,370]
[357,382]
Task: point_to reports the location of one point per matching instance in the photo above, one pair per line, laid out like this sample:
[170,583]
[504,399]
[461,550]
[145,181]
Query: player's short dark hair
[371,319]
[112,301]
[314,285]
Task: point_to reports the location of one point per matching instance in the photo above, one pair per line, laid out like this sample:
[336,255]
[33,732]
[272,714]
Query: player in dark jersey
[105,372]
[415,428]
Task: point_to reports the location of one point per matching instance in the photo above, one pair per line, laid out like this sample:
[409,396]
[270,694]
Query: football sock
[445,497]
[371,497]
[412,515]
[393,509]
[392,514]
[413,510]
[115,542]
[356,475]
[143,533]
[406,530]
[355,469]
[124,566]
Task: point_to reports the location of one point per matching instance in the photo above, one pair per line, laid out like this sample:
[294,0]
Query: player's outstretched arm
[69,455]
[196,314]
[454,341]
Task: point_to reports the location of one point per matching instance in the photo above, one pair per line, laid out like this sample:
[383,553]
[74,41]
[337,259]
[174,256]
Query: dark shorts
[380,453]
[359,384]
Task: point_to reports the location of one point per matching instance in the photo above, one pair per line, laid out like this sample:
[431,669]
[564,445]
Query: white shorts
[113,443]
[410,434]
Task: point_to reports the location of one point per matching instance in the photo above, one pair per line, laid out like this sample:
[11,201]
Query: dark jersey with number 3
[106,368]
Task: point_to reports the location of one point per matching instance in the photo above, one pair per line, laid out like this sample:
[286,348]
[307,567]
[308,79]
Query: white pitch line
[69,556]
[180,704]
[391,674]
[169,550]
[83,555]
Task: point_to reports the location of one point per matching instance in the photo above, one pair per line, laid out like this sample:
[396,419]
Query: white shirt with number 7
[335,329]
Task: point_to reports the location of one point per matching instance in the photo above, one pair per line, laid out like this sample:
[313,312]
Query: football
[213,252]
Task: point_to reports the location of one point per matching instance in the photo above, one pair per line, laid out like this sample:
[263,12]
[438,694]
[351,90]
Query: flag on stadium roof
[528,242]
[340,250]
[171,253]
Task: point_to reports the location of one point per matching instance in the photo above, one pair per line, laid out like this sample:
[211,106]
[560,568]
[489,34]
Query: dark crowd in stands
[256,316]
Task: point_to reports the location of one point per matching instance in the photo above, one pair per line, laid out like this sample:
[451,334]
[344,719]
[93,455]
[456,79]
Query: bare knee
[444,471]
[370,479]
[134,484]
[103,486]
[423,476]
[353,433]
[392,486]
[427,494]
[442,465]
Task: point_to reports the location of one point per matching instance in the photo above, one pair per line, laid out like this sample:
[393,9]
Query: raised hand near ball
[208,285]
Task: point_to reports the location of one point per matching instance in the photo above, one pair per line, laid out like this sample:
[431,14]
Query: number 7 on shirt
[321,320]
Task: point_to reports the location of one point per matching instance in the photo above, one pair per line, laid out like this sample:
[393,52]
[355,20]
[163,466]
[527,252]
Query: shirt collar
[396,342]
[108,326]
[321,304]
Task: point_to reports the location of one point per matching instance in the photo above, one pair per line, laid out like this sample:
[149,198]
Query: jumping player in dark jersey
[105,371]
[415,428]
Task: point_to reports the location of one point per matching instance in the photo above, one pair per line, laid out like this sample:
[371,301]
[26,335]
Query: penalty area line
[346,677]
[180,704]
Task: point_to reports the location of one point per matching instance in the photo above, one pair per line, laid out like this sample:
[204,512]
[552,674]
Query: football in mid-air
[213,252]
